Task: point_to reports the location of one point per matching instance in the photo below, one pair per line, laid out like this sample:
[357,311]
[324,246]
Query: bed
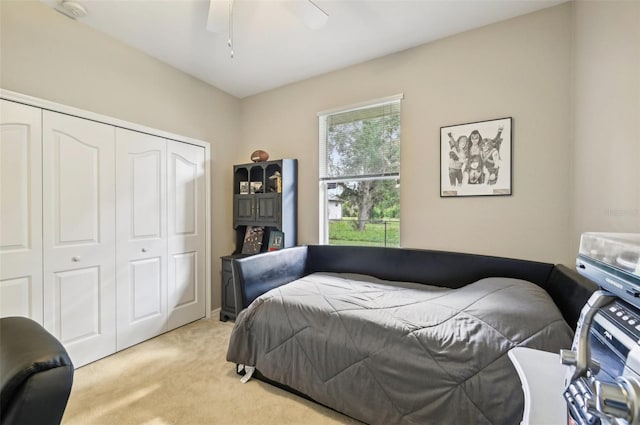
[388,351]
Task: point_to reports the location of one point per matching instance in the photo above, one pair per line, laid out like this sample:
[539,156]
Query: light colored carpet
[182,377]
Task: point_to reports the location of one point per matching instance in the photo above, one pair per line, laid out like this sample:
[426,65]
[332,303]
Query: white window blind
[361,142]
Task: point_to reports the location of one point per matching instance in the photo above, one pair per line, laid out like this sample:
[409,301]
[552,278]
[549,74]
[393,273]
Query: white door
[20,210]
[186,224]
[79,235]
[141,250]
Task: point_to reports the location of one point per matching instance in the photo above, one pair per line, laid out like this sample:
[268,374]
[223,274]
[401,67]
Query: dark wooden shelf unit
[266,203]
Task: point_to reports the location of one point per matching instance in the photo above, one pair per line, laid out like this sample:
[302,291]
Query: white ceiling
[272,45]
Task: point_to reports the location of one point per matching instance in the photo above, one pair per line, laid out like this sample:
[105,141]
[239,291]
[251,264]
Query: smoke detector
[72,9]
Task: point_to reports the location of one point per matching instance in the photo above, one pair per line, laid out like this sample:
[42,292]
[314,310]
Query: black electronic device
[603,382]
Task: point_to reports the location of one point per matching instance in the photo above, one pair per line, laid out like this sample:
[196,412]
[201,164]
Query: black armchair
[36,374]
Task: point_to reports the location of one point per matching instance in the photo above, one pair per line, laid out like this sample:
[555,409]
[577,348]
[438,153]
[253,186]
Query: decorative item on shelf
[256,187]
[276,240]
[244,188]
[259,156]
[278,182]
[252,240]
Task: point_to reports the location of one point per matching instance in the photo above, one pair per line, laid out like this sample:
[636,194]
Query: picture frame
[253,240]
[244,188]
[255,187]
[276,240]
[476,158]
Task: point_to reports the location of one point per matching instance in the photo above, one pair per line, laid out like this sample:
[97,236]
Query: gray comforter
[396,352]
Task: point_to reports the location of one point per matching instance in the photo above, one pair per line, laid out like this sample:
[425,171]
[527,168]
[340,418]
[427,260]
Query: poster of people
[475,158]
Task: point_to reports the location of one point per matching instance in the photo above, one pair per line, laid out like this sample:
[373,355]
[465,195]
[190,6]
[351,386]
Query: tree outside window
[360,173]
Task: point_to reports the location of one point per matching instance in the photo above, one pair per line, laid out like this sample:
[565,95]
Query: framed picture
[475,158]
[244,188]
[276,240]
[256,187]
[253,240]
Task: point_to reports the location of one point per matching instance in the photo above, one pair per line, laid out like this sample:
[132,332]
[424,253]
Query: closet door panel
[79,292]
[186,239]
[76,191]
[20,210]
[16,298]
[79,235]
[141,186]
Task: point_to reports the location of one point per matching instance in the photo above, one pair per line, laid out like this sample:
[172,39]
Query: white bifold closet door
[79,235]
[141,222]
[102,230]
[20,211]
[186,237]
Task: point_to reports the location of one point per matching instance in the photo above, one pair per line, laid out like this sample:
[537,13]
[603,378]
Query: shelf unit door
[20,210]
[244,207]
[186,233]
[79,235]
[268,208]
[141,225]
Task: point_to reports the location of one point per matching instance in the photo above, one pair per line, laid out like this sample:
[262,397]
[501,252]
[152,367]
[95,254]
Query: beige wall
[47,55]
[567,71]
[519,68]
[607,117]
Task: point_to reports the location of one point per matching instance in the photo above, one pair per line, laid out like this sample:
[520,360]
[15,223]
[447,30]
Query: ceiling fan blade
[218,18]
[306,10]
[309,12]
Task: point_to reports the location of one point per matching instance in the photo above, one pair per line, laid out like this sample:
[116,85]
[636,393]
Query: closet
[103,228]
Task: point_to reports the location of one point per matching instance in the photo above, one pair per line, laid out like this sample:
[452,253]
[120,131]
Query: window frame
[323,182]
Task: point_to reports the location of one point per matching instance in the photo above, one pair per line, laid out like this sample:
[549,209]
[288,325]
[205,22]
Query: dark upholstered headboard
[440,268]
[257,274]
[570,291]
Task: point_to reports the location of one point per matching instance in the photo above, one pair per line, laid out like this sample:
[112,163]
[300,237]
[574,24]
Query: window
[360,174]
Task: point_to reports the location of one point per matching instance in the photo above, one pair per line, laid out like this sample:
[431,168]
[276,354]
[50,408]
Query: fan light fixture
[220,19]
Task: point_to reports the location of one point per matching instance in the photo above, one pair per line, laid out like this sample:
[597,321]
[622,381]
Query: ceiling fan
[220,17]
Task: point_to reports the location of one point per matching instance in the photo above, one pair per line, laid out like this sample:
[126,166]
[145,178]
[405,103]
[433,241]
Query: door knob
[144,249]
[75,259]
